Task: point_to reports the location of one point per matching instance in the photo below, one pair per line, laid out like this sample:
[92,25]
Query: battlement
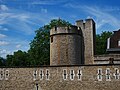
[84,21]
[66,46]
[65,30]
[88,29]
[86,77]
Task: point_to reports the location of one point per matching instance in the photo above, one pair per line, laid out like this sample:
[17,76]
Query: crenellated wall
[105,59]
[89,33]
[66,46]
[87,77]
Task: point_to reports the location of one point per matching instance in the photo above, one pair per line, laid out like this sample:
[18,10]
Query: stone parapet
[85,77]
[65,30]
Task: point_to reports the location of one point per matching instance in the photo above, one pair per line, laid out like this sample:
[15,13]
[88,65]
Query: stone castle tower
[89,33]
[73,45]
[65,46]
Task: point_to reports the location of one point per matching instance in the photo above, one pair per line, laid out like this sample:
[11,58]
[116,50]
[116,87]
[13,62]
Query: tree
[39,52]
[57,22]
[2,61]
[101,42]
[9,60]
[19,58]
[40,47]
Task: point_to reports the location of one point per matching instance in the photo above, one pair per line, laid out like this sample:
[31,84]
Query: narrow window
[99,74]
[6,75]
[34,75]
[64,74]
[51,39]
[108,74]
[116,74]
[118,42]
[41,74]
[37,86]
[47,74]
[79,74]
[1,75]
[108,43]
[72,74]
[84,25]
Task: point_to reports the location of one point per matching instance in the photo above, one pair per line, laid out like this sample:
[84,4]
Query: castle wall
[114,40]
[87,77]
[65,46]
[104,59]
[89,32]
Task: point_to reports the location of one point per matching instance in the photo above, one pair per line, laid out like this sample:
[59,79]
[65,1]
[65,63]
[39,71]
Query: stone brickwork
[69,46]
[114,39]
[89,32]
[105,59]
[73,45]
[113,43]
[87,77]
[65,46]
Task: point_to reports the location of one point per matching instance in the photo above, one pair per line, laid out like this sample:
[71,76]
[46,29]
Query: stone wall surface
[65,48]
[104,59]
[53,78]
[114,39]
[89,32]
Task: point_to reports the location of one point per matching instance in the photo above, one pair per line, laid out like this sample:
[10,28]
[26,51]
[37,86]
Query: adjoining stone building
[113,43]
[73,64]
[113,49]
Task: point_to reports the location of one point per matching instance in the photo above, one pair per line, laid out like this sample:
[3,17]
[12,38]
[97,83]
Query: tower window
[6,74]
[36,86]
[47,74]
[41,74]
[79,74]
[108,74]
[99,74]
[116,74]
[64,74]
[119,43]
[1,75]
[51,39]
[72,74]
[35,75]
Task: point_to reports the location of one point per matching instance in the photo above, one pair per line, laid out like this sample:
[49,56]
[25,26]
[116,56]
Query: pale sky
[20,18]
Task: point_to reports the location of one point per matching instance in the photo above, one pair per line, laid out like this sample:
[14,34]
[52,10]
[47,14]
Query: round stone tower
[66,46]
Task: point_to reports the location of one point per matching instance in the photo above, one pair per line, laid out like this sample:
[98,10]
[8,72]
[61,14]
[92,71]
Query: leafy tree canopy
[2,61]
[40,46]
[19,58]
[56,22]
[101,42]
[39,51]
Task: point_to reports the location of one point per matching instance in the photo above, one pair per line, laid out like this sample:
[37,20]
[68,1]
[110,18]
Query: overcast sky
[20,18]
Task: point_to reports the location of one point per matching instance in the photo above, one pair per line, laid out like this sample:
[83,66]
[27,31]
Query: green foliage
[40,46]
[9,60]
[2,61]
[57,22]
[101,42]
[19,58]
[39,52]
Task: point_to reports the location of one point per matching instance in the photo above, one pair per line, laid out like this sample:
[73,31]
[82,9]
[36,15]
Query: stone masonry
[65,46]
[89,32]
[85,77]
